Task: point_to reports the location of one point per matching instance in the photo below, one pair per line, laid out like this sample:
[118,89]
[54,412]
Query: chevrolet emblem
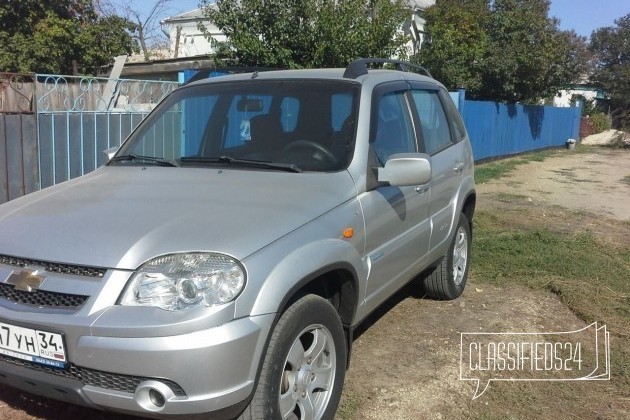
[25,280]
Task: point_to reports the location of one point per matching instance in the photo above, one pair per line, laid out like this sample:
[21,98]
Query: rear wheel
[447,280]
[304,367]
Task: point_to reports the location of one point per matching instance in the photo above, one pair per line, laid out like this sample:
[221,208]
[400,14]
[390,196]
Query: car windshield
[290,125]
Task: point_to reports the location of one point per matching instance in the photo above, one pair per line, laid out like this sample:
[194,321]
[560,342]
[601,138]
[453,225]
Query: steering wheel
[308,144]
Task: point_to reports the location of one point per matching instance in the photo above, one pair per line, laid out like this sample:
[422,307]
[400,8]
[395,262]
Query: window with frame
[434,126]
[393,132]
[458,131]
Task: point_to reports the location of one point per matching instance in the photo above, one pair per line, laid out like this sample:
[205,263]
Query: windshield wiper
[145,159]
[288,167]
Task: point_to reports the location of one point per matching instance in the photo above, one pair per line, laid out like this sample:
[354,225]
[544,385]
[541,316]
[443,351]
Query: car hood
[120,217]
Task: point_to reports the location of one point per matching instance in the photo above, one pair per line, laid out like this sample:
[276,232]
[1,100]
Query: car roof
[319,74]
[358,70]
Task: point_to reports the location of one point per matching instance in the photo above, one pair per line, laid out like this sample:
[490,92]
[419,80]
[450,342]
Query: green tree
[505,50]
[64,36]
[307,33]
[458,44]
[611,47]
[529,57]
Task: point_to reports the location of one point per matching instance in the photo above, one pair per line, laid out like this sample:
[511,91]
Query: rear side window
[436,134]
[458,132]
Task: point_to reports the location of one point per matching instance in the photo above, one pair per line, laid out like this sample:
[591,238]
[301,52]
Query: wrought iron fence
[57,93]
[17,92]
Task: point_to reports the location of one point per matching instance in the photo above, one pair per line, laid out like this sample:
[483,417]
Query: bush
[601,122]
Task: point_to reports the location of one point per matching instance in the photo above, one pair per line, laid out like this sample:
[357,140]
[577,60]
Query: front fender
[301,265]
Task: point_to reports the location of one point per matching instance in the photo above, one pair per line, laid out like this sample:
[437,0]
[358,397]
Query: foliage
[505,50]
[458,42]
[307,33]
[588,105]
[147,33]
[601,122]
[612,52]
[63,36]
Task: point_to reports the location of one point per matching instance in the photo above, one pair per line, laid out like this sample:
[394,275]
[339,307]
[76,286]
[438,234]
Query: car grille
[78,270]
[41,298]
[114,381]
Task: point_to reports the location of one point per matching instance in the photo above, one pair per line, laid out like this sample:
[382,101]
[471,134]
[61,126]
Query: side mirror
[403,169]
[111,152]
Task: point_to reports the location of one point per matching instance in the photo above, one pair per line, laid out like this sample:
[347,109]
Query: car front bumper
[207,371]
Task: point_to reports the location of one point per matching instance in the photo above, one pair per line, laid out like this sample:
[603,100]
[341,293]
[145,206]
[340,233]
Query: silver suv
[221,259]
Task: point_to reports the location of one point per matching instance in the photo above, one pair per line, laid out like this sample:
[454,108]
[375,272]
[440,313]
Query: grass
[493,170]
[496,169]
[349,405]
[591,277]
[507,197]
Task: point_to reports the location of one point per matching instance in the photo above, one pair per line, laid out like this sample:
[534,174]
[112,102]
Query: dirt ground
[405,362]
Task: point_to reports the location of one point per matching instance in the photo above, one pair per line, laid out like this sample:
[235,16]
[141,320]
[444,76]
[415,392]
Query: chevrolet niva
[220,260]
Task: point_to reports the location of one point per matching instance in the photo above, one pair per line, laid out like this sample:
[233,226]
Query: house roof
[420,4]
[192,15]
[197,14]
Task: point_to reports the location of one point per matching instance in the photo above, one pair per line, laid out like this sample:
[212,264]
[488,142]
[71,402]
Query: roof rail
[205,73]
[359,67]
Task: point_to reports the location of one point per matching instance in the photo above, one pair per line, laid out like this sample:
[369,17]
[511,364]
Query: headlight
[182,281]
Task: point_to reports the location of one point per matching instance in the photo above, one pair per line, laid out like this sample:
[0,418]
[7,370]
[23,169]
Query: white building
[590,93]
[186,40]
[415,26]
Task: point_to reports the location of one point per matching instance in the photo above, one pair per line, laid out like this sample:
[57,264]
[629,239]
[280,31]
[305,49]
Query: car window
[341,108]
[393,132]
[458,132]
[238,128]
[434,126]
[178,131]
[305,123]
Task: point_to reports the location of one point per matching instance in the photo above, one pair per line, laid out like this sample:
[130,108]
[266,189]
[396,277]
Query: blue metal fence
[80,117]
[498,130]
[71,144]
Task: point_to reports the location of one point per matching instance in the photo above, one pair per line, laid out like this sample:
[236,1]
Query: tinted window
[458,132]
[307,123]
[436,134]
[393,132]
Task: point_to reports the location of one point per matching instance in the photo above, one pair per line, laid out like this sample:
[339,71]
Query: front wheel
[447,280]
[304,368]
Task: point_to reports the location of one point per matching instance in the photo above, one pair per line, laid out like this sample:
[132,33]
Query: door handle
[459,166]
[422,190]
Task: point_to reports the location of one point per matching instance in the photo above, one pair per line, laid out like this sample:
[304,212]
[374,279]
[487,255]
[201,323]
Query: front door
[397,218]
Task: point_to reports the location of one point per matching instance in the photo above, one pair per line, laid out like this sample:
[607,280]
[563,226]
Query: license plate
[33,345]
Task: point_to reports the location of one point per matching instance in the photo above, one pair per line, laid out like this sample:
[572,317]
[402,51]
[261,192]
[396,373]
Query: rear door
[440,138]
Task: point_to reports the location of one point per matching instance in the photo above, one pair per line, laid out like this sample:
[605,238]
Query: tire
[448,279]
[304,368]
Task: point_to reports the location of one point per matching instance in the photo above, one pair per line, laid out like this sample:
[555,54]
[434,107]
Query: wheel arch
[468,208]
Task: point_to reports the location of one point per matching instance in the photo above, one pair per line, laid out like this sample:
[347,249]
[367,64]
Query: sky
[584,16]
